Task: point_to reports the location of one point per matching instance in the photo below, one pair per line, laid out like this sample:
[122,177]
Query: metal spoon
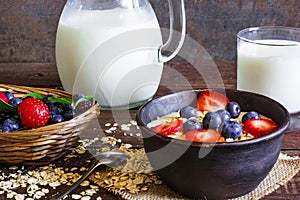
[109,158]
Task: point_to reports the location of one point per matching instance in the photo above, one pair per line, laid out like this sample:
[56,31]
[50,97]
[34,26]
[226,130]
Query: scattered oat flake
[128,146]
[13,168]
[54,184]
[86,198]
[125,128]
[133,122]
[85,183]
[108,131]
[107,124]
[113,128]
[76,196]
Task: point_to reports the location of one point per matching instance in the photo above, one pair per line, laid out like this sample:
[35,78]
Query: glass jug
[113,49]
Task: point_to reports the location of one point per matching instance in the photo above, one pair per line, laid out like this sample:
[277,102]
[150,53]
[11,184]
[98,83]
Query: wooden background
[28,27]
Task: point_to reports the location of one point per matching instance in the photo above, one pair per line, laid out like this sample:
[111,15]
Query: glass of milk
[113,49]
[268,63]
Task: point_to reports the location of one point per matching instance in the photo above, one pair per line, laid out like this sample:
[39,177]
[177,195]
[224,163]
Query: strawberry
[3,97]
[210,100]
[33,112]
[260,127]
[170,128]
[203,135]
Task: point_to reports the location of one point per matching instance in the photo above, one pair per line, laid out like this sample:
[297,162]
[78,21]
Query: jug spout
[177,31]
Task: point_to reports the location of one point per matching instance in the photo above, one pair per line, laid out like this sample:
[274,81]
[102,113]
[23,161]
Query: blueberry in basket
[35,110]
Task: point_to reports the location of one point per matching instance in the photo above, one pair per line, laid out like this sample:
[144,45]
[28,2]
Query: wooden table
[176,77]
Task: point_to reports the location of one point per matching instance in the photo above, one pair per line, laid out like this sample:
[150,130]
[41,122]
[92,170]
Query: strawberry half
[33,112]
[260,127]
[3,97]
[170,128]
[203,135]
[210,100]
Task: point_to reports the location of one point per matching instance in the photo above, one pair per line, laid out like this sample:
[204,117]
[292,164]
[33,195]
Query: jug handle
[177,31]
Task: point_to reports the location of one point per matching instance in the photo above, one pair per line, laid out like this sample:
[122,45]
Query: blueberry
[4,116]
[234,109]
[232,129]
[250,115]
[191,124]
[68,107]
[224,114]
[77,96]
[55,118]
[220,128]
[16,116]
[51,114]
[9,95]
[56,107]
[188,112]
[69,114]
[10,124]
[15,102]
[46,99]
[6,129]
[211,120]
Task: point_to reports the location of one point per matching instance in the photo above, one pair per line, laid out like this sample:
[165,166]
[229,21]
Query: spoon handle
[67,190]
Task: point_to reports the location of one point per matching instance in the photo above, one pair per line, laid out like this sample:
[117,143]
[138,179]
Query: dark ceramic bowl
[212,170]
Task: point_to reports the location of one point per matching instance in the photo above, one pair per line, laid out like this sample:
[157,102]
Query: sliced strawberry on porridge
[169,128]
[210,100]
[260,127]
[203,135]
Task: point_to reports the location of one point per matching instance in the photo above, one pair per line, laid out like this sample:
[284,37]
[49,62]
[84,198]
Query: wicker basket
[45,144]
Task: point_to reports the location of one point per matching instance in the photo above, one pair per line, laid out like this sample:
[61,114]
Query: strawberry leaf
[86,98]
[35,95]
[60,100]
[6,107]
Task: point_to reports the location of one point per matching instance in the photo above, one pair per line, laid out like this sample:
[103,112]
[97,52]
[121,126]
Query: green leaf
[60,100]
[35,95]
[5,107]
[86,98]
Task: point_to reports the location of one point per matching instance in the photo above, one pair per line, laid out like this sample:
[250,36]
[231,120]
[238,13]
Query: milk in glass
[272,68]
[111,54]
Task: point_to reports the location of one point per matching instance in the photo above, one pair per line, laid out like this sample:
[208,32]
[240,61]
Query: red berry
[33,112]
[210,100]
[3,97]
[170,128]
[203,135]
[260,127]
[84,106]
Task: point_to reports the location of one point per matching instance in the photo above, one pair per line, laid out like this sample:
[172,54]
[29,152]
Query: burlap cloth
[285,168]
